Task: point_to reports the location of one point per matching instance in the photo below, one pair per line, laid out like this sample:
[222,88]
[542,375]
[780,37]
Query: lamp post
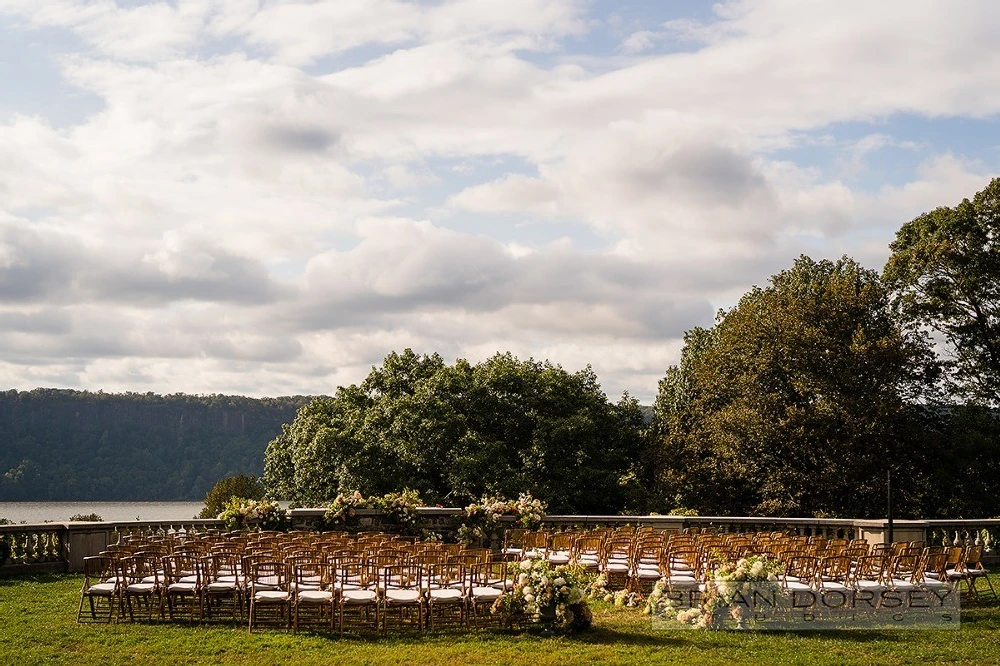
[888,502]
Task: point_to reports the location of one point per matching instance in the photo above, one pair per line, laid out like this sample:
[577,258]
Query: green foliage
[86,517]
[77,445]
[945,270]
[241,485]
[500,427]
[795,400]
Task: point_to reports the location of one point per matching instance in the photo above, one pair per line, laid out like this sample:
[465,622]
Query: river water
[38,512]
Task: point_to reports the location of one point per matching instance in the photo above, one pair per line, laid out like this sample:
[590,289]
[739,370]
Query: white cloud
[274,195]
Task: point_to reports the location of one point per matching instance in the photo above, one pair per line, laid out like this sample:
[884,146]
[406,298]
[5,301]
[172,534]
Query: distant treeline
[76,445]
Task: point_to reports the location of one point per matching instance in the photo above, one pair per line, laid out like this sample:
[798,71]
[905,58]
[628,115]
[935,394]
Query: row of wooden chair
[263,579]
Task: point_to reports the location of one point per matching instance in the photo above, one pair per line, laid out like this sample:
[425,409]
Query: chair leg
[989,584]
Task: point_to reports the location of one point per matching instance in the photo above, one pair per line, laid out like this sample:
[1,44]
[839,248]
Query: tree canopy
[455,432]
[796,401]
[945,270]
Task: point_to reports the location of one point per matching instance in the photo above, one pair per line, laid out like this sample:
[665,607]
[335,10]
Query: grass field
[38,626]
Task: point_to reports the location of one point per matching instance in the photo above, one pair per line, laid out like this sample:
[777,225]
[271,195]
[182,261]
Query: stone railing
[60,547]
[830,528]
[39,548]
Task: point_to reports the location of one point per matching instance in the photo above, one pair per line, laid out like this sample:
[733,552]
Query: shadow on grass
[40,578]
[608,636]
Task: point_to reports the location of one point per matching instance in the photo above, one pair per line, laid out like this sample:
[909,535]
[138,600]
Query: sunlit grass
[38,625]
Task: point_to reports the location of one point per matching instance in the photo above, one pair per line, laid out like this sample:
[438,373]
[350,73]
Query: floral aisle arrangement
[248,514]
[598,589]
[482,519]
[722,605]
[554,597]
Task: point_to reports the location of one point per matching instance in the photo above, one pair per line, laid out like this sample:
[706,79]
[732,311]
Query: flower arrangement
[482,518]
[342,511]
[242,514]
[553,596]
[719,606]
[400,508]
[598,589]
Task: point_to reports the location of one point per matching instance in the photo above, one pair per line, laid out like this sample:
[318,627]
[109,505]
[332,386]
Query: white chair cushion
[141,588]
[486,593]
[315,596]
[649,574]
[407,596]
[358,596]
[446,595]
[182,588]
[102,588]
[221,587]
[266,596]
[936,584]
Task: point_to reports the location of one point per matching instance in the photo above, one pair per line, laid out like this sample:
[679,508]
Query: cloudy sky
[267,196]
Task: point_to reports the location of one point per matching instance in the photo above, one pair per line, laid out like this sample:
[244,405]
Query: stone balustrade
[59,547]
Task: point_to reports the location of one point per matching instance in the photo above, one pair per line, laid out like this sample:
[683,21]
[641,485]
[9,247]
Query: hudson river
[38,512]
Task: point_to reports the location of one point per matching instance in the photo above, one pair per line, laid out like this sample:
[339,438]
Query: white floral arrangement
[621,598]
[718,607]
[482,518]
[239,513]
[544,593]
[343,509]
[400,507]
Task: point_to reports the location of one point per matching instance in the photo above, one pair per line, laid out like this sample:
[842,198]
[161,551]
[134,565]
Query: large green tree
[454,432]
[945,270]
[796,402]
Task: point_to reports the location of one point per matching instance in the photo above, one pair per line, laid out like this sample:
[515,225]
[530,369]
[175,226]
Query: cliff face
[76,445]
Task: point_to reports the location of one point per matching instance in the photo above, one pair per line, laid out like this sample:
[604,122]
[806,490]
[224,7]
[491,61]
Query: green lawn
[38,626]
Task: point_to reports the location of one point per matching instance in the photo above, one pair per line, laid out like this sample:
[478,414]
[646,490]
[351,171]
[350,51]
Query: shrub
[86,517]
[242,486]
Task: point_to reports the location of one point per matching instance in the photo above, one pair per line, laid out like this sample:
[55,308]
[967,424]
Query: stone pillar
[84,540]
[877,531]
